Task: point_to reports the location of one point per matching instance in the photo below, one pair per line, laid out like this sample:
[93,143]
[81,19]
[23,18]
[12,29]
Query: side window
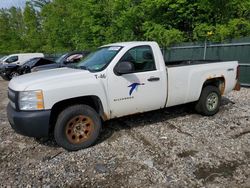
[31,63]
[142,58]
[40,62]
[12,59]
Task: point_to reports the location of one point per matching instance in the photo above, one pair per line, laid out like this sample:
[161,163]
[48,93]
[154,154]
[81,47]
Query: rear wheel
[209,102]
[77,127]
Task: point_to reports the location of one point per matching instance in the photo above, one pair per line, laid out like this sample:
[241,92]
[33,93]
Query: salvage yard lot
[167,148]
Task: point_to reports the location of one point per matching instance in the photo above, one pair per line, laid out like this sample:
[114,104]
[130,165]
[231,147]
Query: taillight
[238,72]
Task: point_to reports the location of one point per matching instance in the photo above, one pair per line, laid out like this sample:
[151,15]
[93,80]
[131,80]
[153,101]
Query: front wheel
[77,127]
[209,102]
[7,78]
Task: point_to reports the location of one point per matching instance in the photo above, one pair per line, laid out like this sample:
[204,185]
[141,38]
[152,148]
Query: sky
[10,3]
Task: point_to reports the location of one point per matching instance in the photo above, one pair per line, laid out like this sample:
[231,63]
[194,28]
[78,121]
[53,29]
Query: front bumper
[33,124]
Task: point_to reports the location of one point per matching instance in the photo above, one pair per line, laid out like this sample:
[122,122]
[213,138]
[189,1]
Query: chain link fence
[234,50]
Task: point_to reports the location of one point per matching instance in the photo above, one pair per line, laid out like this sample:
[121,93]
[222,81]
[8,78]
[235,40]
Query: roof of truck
[129,43]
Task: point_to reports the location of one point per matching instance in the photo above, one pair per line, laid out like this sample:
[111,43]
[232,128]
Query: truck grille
[12,95]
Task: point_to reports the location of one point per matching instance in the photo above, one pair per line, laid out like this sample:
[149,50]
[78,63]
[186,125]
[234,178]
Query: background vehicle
[9,71]
[68,59]
[33,63]
[20,59]
[116,80]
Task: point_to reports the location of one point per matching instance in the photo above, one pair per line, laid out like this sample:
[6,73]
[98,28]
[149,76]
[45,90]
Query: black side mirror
[124,67]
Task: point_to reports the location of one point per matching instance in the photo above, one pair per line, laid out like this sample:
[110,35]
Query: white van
[20,59]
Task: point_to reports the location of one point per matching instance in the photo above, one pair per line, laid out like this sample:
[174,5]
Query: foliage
[32,30]
[201,31]
[165,37]
[62,25]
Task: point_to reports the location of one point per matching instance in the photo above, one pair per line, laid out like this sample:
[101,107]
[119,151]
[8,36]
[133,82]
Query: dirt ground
[174,147]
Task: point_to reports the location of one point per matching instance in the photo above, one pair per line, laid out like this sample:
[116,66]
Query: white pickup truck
[116,80]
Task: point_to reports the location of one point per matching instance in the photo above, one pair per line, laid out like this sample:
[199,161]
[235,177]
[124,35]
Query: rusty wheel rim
[79,129]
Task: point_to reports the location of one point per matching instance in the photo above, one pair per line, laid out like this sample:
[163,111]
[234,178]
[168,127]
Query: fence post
[205,50]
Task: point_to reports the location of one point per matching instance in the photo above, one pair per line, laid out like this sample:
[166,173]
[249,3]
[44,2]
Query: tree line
[62,25]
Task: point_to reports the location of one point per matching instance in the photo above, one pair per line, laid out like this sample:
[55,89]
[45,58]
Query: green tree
[12,27]
[163,36]
[5,36]
[32,33]
[61,25]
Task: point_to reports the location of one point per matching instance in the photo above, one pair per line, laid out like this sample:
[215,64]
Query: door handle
[153,79]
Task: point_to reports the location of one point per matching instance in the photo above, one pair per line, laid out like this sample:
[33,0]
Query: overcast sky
[10,3]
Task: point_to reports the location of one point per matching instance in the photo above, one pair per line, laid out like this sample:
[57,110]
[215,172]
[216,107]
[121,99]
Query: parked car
[9,71]
[68,59]
[20,59]
[116,80]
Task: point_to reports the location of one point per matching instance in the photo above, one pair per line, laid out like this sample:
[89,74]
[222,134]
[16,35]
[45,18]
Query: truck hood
[54,76]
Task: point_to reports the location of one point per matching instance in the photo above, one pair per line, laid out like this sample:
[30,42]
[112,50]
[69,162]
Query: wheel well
[92,101]
[217,82]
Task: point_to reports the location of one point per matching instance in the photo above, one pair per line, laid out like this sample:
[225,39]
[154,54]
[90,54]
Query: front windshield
[99,59]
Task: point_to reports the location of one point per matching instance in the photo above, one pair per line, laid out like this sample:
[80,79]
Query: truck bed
[185,78]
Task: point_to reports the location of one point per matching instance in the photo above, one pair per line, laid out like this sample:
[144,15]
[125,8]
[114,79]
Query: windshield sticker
[134,87]
[114,48]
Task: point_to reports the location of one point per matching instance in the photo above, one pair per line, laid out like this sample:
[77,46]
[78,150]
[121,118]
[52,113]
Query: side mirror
[124,67]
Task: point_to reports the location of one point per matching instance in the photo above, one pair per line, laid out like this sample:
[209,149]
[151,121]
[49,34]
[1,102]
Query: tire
[209,102]
[77,127]
[14,74]
[6,78]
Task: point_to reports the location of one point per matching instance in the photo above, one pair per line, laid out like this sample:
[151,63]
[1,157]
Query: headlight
[31,100]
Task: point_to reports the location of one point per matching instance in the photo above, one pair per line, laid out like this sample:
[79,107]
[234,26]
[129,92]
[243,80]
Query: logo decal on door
[134,87]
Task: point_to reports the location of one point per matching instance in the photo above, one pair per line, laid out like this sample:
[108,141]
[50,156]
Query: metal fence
[235,50]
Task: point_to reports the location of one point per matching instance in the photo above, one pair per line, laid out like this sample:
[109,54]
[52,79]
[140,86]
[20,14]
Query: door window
[30,62]
[43,62]
[12,59]
[142,58]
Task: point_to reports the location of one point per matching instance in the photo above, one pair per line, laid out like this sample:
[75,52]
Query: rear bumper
[33,124]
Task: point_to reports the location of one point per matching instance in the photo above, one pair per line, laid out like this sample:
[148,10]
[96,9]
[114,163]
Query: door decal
[134,87]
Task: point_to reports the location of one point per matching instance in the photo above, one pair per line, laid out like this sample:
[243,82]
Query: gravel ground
[168,148]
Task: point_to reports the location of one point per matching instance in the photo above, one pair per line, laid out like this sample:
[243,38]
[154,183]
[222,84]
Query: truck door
[139,91]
